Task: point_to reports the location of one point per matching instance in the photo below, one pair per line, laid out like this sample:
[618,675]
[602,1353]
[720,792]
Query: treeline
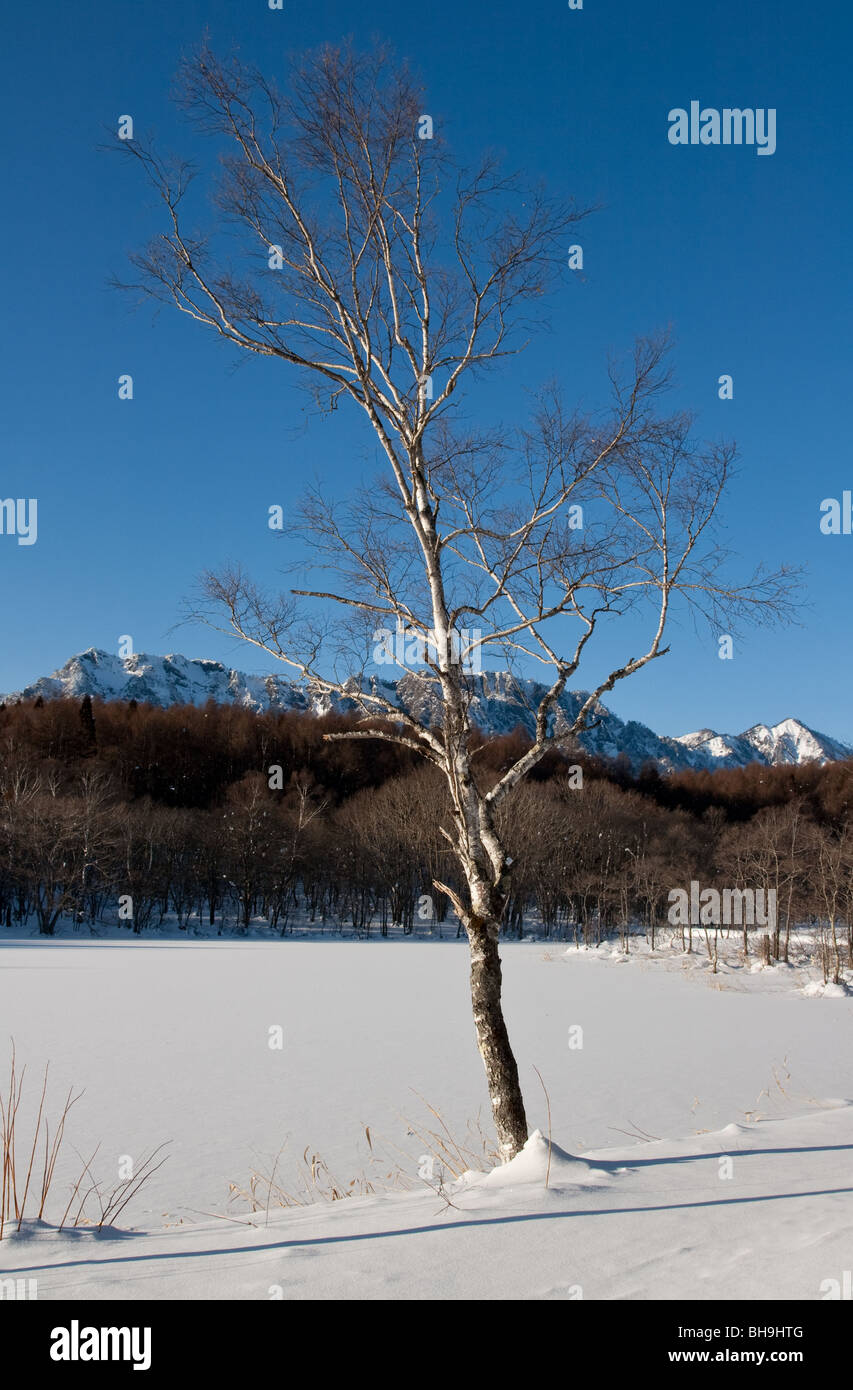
[115,811]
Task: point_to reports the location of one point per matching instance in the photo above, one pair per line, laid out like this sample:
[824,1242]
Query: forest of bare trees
[218,819]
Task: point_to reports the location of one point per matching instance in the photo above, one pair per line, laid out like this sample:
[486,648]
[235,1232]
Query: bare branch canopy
[392,278]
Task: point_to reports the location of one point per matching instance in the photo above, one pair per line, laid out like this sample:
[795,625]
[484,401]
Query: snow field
[678,1071]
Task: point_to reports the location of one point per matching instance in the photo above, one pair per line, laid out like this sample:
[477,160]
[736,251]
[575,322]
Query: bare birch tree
[392,278]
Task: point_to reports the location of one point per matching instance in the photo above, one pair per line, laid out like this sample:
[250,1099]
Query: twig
[548,1105]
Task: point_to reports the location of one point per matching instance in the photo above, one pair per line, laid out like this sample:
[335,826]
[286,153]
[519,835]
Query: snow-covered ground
[679,1071]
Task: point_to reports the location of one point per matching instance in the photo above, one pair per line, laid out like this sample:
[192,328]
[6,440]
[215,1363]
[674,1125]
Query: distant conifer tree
[87,719]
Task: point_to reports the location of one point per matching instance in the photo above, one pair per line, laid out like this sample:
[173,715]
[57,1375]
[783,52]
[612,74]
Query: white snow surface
[680,1070]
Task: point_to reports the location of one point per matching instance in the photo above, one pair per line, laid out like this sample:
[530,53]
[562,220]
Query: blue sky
[747,257]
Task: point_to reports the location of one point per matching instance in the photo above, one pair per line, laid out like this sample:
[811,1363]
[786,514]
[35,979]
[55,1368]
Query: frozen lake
[171,1042]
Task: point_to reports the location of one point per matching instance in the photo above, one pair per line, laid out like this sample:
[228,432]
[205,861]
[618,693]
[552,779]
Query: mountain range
[500,703]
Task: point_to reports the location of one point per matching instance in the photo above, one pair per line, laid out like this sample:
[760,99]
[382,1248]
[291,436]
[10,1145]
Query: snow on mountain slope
[790,741]
[500,703]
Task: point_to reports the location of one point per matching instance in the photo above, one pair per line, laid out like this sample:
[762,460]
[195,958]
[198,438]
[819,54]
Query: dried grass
[389,1168]
[29,1169]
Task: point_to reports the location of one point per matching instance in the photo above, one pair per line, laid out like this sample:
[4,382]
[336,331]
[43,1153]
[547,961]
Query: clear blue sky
[749,258]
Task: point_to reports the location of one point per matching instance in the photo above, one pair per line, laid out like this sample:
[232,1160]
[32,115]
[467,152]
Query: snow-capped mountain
[500,704]
[786,742]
